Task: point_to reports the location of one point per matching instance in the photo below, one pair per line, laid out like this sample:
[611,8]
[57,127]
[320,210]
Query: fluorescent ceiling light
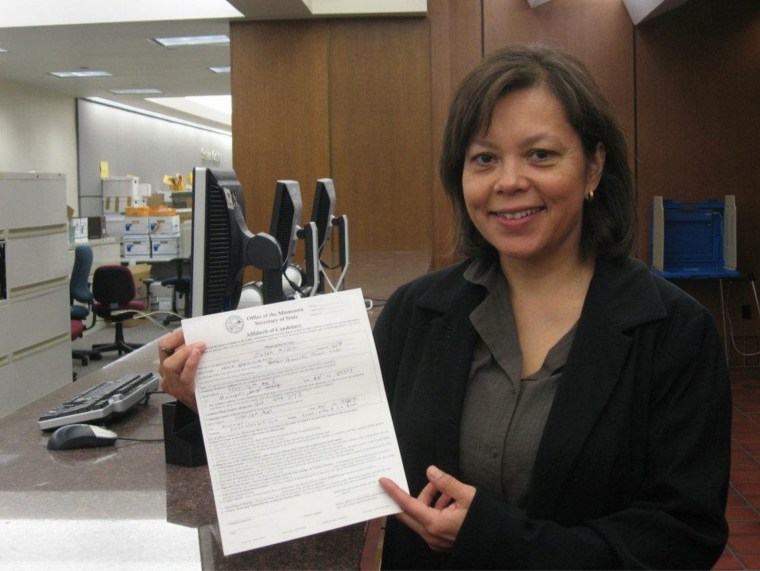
[136,91]
[2,51]
[221,103]
[224,69]
[169,118]
[81,73]
[213,107]
[193,41]
[366,7]
[18,14]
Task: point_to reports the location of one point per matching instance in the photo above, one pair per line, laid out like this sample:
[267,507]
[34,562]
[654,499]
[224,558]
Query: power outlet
[746,311]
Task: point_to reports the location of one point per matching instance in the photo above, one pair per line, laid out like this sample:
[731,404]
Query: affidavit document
[295,419]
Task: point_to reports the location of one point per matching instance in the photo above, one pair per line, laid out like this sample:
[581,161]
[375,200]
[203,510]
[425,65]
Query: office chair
[181,285]
[113,289]
[77,329]
[79,290]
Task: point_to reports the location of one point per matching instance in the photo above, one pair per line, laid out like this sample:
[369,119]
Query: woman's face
[526,177]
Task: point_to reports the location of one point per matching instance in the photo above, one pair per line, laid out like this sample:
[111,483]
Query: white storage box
[164,246]
[186,238]
[165,225]
[122,186]
[119,204]
[134,246]
[115,225]
[79,227]
[144,189]
[136,225]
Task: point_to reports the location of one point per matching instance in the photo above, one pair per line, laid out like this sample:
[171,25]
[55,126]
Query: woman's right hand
[178,365]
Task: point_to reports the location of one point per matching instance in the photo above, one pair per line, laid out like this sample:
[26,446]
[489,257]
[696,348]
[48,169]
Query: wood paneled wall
[580,27]
[380,131]
[280,110]
[456,46]
[365,101]
[698,122]
[347,99]
[698,118]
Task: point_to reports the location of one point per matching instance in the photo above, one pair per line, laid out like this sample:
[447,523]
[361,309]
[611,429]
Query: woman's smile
[519,214]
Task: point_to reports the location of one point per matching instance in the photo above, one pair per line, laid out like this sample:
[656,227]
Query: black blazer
[632,469]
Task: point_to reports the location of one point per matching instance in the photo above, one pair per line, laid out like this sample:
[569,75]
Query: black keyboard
[99,403]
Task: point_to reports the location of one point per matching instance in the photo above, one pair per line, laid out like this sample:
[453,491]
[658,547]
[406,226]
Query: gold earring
[590,196]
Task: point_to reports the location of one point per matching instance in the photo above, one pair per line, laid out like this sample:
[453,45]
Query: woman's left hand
[437,513]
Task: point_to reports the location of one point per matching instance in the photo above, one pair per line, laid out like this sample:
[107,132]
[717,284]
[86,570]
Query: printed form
[295,419]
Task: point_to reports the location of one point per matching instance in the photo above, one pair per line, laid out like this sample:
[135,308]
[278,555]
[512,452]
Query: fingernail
[434,473]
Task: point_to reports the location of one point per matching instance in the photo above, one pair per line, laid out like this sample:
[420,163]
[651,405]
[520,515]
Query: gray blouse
[504,415]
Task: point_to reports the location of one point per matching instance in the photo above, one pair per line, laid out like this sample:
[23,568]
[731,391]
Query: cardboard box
[140,272]
[182,199]
[164,246]
[165,225]
[136,246]
[158,199]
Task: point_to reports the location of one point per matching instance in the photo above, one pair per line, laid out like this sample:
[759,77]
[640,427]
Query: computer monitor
[286,217]
[323,216]
[323,210]
[286,229]
[222,245]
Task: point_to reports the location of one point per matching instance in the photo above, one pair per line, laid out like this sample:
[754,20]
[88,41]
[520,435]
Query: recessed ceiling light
[18,14]
[136,91]
[223,69]
[193,41]
[81,73]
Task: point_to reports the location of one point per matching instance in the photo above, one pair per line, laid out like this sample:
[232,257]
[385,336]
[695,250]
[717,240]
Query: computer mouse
[80,436]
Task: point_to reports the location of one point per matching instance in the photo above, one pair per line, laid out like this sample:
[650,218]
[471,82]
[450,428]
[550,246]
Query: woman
[556,404]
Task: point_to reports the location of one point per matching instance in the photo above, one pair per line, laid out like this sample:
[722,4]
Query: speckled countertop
[121,505]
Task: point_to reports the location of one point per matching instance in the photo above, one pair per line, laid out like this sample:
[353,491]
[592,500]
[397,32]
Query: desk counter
[122,505]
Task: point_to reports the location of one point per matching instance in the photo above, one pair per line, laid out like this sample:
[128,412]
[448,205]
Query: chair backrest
[180,264]
[79,285]
[113,284]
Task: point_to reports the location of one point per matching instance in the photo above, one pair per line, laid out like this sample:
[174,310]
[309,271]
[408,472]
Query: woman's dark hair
[609,220]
